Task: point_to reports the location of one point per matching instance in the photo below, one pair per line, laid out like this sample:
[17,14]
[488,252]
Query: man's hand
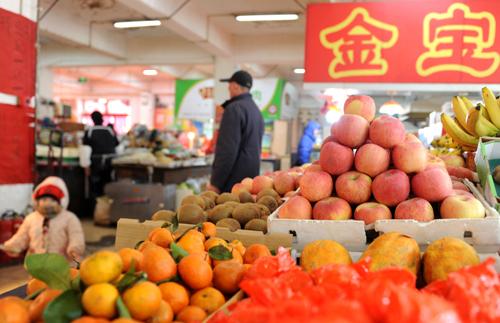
[212,188]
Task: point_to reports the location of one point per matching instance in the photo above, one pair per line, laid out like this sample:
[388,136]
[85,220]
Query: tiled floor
[97,238]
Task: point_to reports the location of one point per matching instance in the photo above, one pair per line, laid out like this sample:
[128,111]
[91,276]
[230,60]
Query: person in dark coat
[307,141]
[239,142]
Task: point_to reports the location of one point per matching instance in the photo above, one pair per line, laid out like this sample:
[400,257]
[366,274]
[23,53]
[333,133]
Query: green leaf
[177,252]
[138,244]
[34,294]
[76,283]
[52,269]
[175,223]
[122,309]
[64,308]
[220,252]
[127,281]
[175,279]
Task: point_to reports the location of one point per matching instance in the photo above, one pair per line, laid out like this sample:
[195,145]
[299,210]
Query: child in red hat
[51,228]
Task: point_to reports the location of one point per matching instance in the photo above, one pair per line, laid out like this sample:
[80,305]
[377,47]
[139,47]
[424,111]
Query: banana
[483,127]
[471,121]
[468,104]
[491,106]
[456,133]
[460,110]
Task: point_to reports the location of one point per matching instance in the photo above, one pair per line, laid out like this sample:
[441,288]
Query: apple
[284,182]
[387,131]
[361,105]
[328,139]
[371,212]
[335,158]
[316,186]
[457,185]
[461,207]
[350,130]
[354,187]
[433,184]
[372,159]
[391,187]
[261,182]
[297,207]
[461,192]
[453,160]
[332,208]
[237,188]
[410,157]
[312,168]
[247,183]
[414,209]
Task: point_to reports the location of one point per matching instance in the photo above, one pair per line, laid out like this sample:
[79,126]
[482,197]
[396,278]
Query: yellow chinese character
[357,45]
[457,41]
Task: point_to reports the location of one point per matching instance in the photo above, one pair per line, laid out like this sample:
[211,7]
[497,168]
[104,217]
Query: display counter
[151,174]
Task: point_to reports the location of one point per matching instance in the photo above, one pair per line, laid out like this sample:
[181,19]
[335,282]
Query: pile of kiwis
[230,210]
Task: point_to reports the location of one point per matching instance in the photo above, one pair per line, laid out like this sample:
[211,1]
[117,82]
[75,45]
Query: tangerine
[195,271]
[254,252]
[101,267]
[238,245]
[162,237]
[13,310]
[176,295]
[209,299]
[144,245]
[208,229]
[196,233]
[227,277]
[34,285]
[212,242]
[37,307]
[165,314]
[192,314]
[191,243]
[90,319]
[100,300]
[128,255]
[124,320]
[158,263]
[142,300]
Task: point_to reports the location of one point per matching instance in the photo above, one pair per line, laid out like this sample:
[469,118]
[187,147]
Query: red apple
[361,105]
[328,139]
[283,183]
[410,157]
[414,209]
[387,131]
[461,192]
[354,187]
[372,159]
[297,207]
[391,187]
[247,183]
[332,208]
[335,158]
[350,130]
[457,185]
[316,186]
[433,184]
[261,182]
[237,188]
[461,207]
[313,168]
[371,212]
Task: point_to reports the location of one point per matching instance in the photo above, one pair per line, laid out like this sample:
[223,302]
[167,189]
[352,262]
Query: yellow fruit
[209,299]
[323,252]
[445,256]
[142,300]
[99,300]
[393,249]
[101,267]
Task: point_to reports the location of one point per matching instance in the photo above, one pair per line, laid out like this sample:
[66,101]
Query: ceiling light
[299,70]
[268,17]
[137,23]
[150,72]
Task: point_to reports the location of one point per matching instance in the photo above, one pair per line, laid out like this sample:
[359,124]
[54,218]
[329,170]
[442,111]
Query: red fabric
[51,190]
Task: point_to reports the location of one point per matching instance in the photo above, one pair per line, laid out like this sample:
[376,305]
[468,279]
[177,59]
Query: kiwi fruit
[209,204]
[256,225]
[245,197]
[220,212]
[191,213]
[264,210]
[232,204]
[269,202]
[496,174]
[194,199]
[227,197]
[163,215]
[269,192]
[244,213]
[210,194]
[229,223]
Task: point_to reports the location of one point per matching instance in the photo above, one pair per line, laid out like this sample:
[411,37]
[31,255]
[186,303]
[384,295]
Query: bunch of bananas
[444,141]
[472,122]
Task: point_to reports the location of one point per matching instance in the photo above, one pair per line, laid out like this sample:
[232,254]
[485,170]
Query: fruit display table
[150,174]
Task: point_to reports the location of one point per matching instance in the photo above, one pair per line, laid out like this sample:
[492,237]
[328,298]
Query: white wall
[17,196]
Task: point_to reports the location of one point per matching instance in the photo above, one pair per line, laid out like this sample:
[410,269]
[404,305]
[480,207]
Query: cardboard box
[131,231]
[487,158]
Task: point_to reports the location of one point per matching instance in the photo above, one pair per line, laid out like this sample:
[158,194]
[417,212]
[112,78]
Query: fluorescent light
[137,23]
[268,17]
[299,70]
[150,72]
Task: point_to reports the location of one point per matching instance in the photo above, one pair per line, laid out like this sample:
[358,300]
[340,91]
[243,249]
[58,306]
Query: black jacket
[237,153]
[102,140]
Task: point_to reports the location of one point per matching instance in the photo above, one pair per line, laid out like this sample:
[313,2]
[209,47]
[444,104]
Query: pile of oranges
[166,278]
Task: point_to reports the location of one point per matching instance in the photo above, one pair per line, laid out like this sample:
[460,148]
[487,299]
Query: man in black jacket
[237,153]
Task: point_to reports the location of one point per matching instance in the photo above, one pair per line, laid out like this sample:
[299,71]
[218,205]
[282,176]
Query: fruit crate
[487,158]
[483,234]
[130,231]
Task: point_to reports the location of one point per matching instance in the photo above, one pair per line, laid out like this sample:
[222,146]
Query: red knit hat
[49,190]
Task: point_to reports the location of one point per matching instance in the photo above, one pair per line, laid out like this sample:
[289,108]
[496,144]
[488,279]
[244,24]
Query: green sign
[194,99]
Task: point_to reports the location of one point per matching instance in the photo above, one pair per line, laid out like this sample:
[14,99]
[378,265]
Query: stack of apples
[371,169]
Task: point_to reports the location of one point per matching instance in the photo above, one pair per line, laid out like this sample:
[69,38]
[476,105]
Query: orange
[124,320]
[161,237]
[129,254]
[101,267]
[191,243]
[195,272]
[37,307]
[237,258]
[196,233]
[100,300]
[158,263]
[34,285]
[90,319]
[175,294]
[13,310]
[165,314]
[238,245]
[191,314]
[254,252]
[212,242]
[227,277]
[208,229]
[209,299]
[144,245]
[142,300]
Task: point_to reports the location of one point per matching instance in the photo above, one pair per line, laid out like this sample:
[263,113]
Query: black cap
[242,78]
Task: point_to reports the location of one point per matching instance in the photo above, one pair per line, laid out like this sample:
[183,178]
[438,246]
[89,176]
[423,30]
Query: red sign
[404,42]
